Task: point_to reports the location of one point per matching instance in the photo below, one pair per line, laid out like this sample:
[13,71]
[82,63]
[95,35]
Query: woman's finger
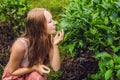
[58,34]
[51,37]
[45,69]
[62,33]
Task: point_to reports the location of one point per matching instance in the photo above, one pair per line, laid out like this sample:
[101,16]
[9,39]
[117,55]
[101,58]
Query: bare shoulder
[18,45]
[18,48]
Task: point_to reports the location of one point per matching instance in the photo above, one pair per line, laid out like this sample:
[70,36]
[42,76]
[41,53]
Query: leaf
[106,5]
[96,1]
[102,66]
[93,31]
[106,20]
[117,4]
[116,59]
[103,55]
[110,64]
[71,48]
[118,73]
[95,15]
[96,76]
[103,27]
[81,43]
[67,36]
[109,40]
[117,66]
[108,74]
[115,49]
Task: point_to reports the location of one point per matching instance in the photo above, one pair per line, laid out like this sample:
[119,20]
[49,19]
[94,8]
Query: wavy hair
[40,41]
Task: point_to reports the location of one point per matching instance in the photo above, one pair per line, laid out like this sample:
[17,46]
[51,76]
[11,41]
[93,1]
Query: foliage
[109,66]
[94,25]
[12,24]
[14,13]
[54,75]
[91,25]
[56,7]
[1,70]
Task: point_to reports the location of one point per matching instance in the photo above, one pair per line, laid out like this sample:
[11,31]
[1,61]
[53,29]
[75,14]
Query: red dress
[31,76]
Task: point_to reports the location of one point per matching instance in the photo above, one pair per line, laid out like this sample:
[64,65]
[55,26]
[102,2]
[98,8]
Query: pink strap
[25,44]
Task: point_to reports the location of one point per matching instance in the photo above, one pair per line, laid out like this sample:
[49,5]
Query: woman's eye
[50,21]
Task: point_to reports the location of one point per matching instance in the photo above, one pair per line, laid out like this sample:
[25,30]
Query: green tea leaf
[117,66]
[110,64]
[102,66]
[108,74]
[118,74]
[103,55]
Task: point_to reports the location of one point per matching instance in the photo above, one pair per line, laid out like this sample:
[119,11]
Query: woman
[31,53]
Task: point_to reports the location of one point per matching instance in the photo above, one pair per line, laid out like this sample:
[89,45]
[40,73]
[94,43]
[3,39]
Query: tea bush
[13,13]
[94,25]
[12,24]
[55,6]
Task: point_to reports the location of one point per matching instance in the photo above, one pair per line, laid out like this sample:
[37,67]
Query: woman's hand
[42,69]
[58,37]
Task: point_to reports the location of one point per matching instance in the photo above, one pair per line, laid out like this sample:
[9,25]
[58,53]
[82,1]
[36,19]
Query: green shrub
[54,75]
[13,13]
[109,65]
[1,70]
[91,25]
[94,25]
[12,24]
[55,6]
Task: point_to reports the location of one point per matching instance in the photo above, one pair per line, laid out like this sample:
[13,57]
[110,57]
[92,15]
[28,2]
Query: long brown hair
[40,41]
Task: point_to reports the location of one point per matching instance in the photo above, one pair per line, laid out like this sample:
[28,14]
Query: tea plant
[13,13]
[109,65]
[94,25]
[56,7]
[12,24]
[91,25]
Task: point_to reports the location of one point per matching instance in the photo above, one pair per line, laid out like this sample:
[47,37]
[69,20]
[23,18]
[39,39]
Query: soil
[7,37]
[80,66]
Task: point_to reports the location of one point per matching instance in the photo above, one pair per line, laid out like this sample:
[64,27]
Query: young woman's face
[51,24]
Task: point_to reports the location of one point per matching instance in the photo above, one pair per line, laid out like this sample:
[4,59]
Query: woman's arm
[17,53]
[54,53]
[55,58]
